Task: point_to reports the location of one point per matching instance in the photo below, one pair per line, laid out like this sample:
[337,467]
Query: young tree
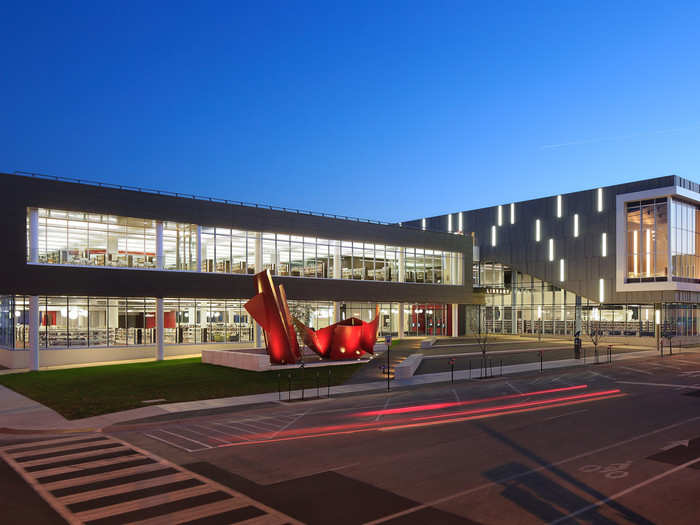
[594,333]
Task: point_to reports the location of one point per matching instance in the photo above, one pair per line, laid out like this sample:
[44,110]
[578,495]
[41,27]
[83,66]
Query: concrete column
[160,330]
[34,332]
[337,267]
[33,235]
[160,262]
[577,316]
[400,331]
[199,248]
[402,265]
[259,340]
[454,312]
[513,303]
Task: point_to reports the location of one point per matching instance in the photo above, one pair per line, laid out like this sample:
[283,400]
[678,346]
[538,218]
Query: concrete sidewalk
[20,414]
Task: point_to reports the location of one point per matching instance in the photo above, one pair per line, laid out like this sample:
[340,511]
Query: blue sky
[387,110]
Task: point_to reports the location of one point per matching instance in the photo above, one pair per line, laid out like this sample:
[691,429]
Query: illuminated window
[647,253]
[500,215]
[559,206]
[575,224]
[512,213]
[551,249]
[493,235]
[601,290]
[561,270]
[538,231]
[600,199]
[604,245]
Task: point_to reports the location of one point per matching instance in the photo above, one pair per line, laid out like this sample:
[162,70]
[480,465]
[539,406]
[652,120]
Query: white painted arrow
[674,444]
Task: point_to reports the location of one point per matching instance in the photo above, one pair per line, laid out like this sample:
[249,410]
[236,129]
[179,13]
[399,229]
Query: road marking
[386,404]
[291,422]
[517,391]
[670,385]
[205,445]
[601,375]
[626,491]
[567,414]
[548,466]
[456,396]
[637,370]
[155,492]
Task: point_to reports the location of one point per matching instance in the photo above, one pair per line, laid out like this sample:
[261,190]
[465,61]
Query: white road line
[670,385]
[456,395]
[567,414]
[163,440]
[626,491]
[386,404]
[237,429]
[499,482]
[189,429]
[517,391]
[601,375]
[291,423]
[636,370]
[184,436]
[179,436]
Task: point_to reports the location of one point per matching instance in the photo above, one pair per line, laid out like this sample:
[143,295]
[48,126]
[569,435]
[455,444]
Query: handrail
[215,199]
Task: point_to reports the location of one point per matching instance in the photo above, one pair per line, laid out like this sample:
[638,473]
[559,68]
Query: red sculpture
[347,339]
[272,314]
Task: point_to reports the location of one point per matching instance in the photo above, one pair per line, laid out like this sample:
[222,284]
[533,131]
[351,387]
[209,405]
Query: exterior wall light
[575,224]
[449,223]
[500,215]
[461,224]
[551,250]
[559,206]
[538,231]
[512,213]
[422,224]
[600,199]
[601,291]
[604,245]
[561,270]
[493,235]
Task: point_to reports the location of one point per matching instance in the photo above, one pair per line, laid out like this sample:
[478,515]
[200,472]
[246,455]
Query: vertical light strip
[635,251]
[449,223]
[422,224]
[461,224]
[575,224]
[493,235]
[561,270]
[601,291]
[537,231]
[600,199]
[648,252]
[500,215]
[604,245]
[559,206]
[551,249]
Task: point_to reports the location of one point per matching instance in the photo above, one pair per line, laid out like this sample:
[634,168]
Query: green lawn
[84,392]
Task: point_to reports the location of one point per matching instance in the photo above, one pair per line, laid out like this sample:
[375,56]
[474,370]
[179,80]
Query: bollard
[540,360]
[491,366]
[501,371]
[452,370]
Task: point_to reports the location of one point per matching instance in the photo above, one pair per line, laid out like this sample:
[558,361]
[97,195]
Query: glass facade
[685,222]
[76,238]
[74,322]
[647,240]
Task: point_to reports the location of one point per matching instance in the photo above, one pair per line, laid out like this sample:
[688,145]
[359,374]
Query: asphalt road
[602,444]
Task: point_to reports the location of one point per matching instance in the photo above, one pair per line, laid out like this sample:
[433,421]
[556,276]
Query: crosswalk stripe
[75,482]
[68,457]
[139,504]
[121,489]
[41,442]
[48,449]
[263,520]
[200,511]
[83,466]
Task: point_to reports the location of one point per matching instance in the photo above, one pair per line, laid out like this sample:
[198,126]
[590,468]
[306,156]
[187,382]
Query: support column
[402,265]
[258,268]
[336,311]
[160,263]
[160,330]
[577,316]
[513,303]
[337,267]
[199,248]
[34,332]
[33,235]
[454,312]
[400,332]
